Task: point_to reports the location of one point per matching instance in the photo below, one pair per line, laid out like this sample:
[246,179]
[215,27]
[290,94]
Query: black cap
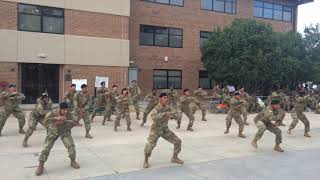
[124,89]
[83,86]
[275,101]
[102,83]
[63,105]
[45,94]
[185,90]
[12,85]
[114,86]
[73,85]
[162,95]
[133,81]
[237,93]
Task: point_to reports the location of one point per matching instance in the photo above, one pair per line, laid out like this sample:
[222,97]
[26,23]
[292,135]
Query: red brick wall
[9,73]
[8,15]
[117,75]
[192,20]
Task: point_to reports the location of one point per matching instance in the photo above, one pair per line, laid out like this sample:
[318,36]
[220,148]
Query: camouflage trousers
[18,113]
[95,110]
[148,109]
[237,117]
[136,107]
[110,108]
[51,138]
[262,127]
[166,134]
[189,114]
[296,116]
[244,112]
[203,109]
[280,112]
[125,112]
[33,122]
[86,118]
[178,117]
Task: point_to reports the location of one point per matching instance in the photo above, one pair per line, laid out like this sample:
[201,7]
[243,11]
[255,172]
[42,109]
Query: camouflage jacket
[151,98]
[123,102]
[11,101]
[135,92]
[111,96]
[68,124]
[158,117]
[201,95]
[101,96]
[81,101]
[267,115]
[301,103]
[235,104]
[42,108]
[69,96]
[186,101]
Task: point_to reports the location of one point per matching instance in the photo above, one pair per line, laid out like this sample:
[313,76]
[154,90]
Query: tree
[249,53]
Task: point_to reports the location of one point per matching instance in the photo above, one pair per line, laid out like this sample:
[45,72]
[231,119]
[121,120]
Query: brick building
[45,44]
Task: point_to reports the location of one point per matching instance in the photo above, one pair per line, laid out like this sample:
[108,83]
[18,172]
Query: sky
[307,14]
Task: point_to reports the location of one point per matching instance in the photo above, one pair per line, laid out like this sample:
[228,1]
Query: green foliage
[249,53]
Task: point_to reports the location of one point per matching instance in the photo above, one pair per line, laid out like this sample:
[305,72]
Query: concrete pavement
[112,153]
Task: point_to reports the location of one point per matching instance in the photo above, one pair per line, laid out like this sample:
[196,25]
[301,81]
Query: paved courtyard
[207,152]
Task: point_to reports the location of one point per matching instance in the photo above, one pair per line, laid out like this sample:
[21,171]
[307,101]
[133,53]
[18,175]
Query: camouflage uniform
[201,96]
[297,113]
[81,105]
[263,122]
[245,97]
[37,116]
[216,93]
[135,93]
[235,112]
[279,112]
[122,107]
[160,128]
[111,104]
[187,109]
[11,106]
[69,97]
[100,101]
[152,100]
[55,131]
[175,104]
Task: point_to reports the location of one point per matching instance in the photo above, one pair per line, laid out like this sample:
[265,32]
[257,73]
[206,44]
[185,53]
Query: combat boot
[74,164]
[109,119]
[246,123]
[254,143]
[142,124]
[278,148]
[25,142]
[306,134]
[289,131]
[176,160]
[40,169]
[104,122]
[241,135]
[88,135]
[203,119]
[226,131]
[128,128]
[21,131]
[189,129]
[146,163]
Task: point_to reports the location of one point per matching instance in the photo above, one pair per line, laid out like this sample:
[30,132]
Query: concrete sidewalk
[121,152]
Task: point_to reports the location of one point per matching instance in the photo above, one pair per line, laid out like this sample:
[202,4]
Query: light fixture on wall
[166,59]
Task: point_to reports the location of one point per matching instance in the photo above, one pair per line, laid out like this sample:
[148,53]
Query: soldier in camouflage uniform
[122,107]
[43,106]
[235,112]
[59,123]
[297,114]
[100,100]
[11,100]
[245,97]
[279,112]
[111,103]
[160,115]
[216,92]
[175,104]
[201,96]
[263,122]
[152,100]
[135,93]
[185,100]
[69,96]
[81,105]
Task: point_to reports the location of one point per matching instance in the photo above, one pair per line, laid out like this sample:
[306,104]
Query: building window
[165,79]
[204,36]
[225,6]
[40,19]
[272,11]
[204,80]
[169,2]
[161,36]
